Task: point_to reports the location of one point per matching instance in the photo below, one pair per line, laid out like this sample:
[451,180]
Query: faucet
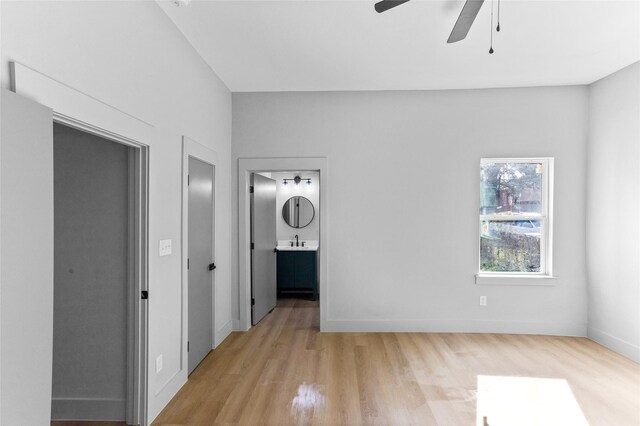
[296,237]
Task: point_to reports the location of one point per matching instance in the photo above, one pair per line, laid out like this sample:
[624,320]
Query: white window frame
[546,235]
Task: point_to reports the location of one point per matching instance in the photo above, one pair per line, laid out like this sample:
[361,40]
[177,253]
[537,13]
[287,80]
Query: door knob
[212,266]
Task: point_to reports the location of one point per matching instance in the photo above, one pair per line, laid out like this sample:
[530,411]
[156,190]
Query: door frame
[193,149]
[246,166]
[82,112]
[137,264]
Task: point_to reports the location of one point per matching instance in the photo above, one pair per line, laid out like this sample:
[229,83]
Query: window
[515,216]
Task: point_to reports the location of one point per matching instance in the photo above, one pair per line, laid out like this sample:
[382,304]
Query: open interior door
[26,257]
[263,244]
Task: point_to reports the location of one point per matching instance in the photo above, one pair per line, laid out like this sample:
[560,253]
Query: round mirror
[298,212]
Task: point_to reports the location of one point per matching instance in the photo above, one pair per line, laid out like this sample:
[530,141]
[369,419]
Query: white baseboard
[164,395]
[223,333]
[173,385]
[91,409]
[236,324]
[614,343]
[457,326]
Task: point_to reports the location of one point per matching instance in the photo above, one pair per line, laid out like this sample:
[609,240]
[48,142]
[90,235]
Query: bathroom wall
[130,55]
[284,192]
[403,197]
[613,203]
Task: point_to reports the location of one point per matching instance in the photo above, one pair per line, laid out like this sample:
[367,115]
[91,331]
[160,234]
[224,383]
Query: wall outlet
[164,247]
[483,300]
[159,364]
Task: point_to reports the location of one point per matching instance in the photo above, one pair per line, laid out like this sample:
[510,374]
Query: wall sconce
[296,180]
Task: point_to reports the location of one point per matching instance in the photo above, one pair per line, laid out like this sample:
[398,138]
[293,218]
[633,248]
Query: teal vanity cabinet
[297,272]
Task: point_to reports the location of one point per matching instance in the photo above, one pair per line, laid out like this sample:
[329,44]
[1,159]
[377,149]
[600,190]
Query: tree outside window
[514,215]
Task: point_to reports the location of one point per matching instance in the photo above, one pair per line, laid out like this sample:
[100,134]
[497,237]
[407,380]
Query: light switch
[165,247]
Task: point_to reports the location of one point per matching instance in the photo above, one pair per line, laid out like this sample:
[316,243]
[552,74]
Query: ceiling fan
[463,24]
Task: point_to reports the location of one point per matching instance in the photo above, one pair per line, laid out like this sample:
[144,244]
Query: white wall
[403,176]
[613,206]
[129,55]
[284,192]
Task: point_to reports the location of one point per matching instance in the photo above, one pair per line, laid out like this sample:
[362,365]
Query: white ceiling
[307,45]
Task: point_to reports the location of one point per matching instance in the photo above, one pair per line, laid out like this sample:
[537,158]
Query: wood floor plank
[285,372]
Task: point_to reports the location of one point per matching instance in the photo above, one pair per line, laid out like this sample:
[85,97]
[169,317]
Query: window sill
[495,279]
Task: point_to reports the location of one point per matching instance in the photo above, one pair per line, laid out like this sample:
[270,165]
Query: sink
[299,248]
[284,245]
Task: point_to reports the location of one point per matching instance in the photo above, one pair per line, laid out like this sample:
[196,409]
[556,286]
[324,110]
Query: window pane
[510,188]
[510,246]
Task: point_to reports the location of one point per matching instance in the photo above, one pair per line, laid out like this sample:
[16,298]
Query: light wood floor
[284,371]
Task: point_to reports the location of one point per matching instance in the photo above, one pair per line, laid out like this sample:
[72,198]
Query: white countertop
[309,245]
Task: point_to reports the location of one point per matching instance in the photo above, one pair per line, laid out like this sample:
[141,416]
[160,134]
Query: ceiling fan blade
[465,20]
[383,5]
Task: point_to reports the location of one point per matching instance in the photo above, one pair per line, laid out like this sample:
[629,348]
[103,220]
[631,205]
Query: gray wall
[91,276]
[403,199]
[613,206]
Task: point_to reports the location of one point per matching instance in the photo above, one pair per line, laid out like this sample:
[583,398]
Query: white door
[200,261]
[263,244]
[26,257]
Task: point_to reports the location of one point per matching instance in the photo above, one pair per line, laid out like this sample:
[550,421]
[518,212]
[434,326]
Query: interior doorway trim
[191,148]
[70,103]
[83,112]
[246,166]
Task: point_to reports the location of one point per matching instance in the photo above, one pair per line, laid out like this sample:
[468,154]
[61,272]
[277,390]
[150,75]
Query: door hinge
[253,301]
[251,189]
[187,346]
[144,295]
[188,180]
[253,246]
[187,263]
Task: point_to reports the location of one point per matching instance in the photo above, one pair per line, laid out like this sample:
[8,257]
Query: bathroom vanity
[297,269]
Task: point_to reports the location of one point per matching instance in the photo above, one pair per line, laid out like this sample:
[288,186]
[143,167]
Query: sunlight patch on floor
[526,401]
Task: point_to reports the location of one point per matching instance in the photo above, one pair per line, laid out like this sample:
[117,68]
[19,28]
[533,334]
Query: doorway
[27,179]
[98,321]
[284,239]
[272,168]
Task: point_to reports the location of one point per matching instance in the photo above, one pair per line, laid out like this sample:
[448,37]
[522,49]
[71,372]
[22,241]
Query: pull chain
[498,27]
[491,28]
